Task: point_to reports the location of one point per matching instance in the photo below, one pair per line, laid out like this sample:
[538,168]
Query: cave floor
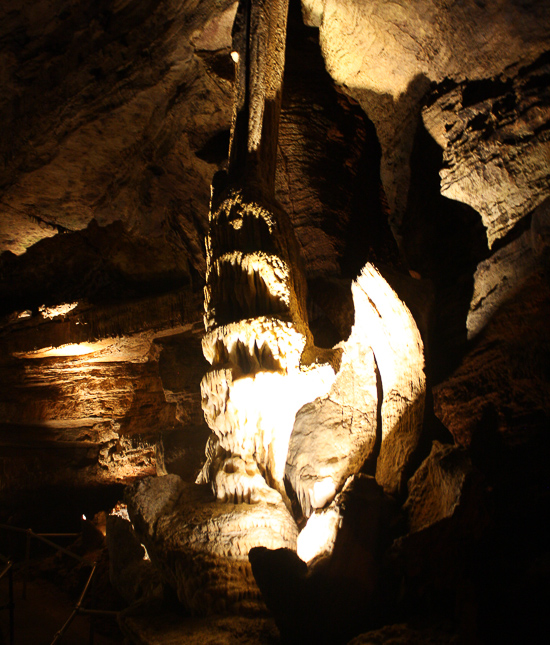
[42,614]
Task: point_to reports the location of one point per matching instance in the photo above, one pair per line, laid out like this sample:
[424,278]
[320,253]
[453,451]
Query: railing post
[27,563]
[11,607]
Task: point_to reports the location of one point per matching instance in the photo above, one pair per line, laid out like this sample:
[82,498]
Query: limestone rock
[317,537]
[494,134]
[82,410]
[335,596]
[131,572]
[540,229]
[436,487]
[387,325]
[402,634]
[158,623]
[104,98]
[258,340]
[502,384]
[252,414]
[341,222]
[200,545]
[333,435]
[498,278]
[377,396]
[385,54]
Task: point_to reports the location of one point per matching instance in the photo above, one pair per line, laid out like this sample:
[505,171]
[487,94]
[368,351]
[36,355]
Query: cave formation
[410,191]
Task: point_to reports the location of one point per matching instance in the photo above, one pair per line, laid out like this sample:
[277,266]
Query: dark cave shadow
[444,241]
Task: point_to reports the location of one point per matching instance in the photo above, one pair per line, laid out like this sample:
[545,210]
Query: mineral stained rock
[399,352]
[157,623]
[502,385]
[131,572]
[436,487]
[265,366]
[498,278]
[201,545]
[333,435]
[335,596]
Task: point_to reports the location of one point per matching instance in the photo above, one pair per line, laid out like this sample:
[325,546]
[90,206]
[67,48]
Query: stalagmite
[288,419]
[265,367]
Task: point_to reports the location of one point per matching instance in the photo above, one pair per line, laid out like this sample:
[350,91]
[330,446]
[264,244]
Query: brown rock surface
[89,412]
[157,624]
[386,54]
[494,134]
[201,545]
[124,104]
[403,634]
[436,487]
[503,380]
[115,115]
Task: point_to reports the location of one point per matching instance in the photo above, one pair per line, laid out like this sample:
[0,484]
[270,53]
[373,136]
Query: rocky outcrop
[130,570]
[80,420]
[387,54]
[338,593]
[83,411]
[160,624]
[494,134]
[502,385]
[436,487]
[125,103]
[201,545]
[333,436]
[374,408]
[402,634]
[498,278]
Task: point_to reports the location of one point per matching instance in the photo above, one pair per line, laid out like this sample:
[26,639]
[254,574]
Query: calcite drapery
[259,345]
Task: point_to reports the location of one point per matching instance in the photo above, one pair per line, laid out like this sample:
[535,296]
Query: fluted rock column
[264,364]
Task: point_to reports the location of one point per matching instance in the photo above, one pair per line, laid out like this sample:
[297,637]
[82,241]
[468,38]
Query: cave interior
[412,157]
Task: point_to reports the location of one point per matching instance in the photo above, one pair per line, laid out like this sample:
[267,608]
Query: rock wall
[116,117]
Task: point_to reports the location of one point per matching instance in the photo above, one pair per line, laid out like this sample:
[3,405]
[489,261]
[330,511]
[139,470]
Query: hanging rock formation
[374,408]
[494,134]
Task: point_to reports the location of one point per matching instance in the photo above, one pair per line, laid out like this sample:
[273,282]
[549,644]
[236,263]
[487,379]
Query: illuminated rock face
[281,410]
[201,545]
[259,345]
[374,408]
[265,367]
[499,166]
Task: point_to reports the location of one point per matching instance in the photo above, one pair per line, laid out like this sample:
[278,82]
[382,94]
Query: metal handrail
[78,609]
